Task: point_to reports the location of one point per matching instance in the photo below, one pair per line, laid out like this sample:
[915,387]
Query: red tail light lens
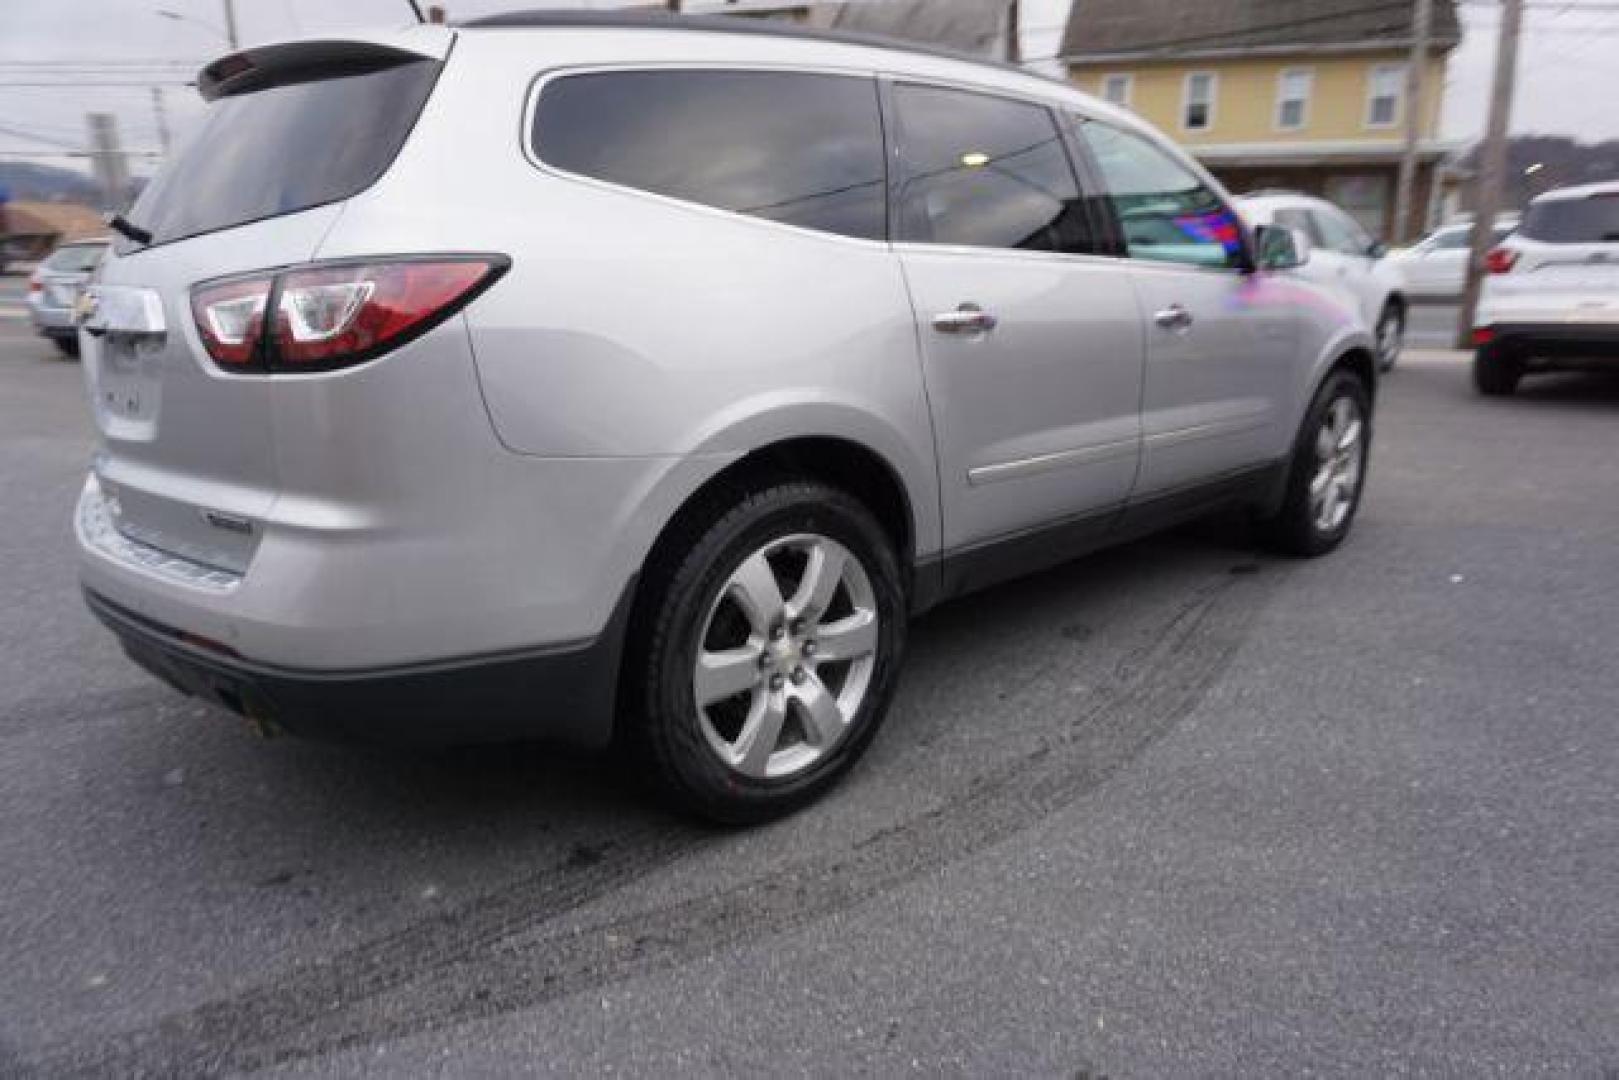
[35,286]
[1500,261]
[230,319]
[336,315]
[1483,335]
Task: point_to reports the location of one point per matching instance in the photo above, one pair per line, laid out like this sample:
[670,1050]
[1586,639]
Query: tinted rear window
[284,149]
[801,149]
[1574,221]
[982,171]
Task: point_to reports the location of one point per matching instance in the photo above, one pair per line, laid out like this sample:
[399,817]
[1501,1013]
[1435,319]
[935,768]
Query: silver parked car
[590,377]
[1550,299]
[53,291]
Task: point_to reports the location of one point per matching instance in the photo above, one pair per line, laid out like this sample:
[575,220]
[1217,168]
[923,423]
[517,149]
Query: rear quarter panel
[632,326]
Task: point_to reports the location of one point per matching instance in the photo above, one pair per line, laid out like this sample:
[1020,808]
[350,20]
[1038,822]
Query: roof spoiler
[264,66]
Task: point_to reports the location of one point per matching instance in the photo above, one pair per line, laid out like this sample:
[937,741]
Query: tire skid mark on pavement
[494,957]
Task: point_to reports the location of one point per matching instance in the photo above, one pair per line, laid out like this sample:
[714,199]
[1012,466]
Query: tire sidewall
[1391,312]
[673,727]
[1298,518]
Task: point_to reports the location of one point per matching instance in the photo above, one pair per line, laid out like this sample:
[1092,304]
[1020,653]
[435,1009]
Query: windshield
[75,258]
[284,149]
[1592,220]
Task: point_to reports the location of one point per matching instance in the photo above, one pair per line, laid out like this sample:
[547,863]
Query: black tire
[69,347]
[1496,372]
[1294,530]
[666,728]
[1393,313]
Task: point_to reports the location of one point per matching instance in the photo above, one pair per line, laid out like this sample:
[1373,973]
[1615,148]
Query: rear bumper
[53,322]
[564,693]
[1594,342]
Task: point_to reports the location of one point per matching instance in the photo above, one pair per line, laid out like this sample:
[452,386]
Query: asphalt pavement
[1180,808]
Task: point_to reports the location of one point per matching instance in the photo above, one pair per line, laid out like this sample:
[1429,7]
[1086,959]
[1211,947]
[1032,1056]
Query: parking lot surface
[1178,808]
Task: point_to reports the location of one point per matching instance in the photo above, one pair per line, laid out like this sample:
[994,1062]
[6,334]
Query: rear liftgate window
[285,148]
[801,149]
[1592,220]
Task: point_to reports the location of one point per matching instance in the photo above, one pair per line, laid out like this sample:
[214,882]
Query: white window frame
[1129,81]
[1373,73]
[1282,76]
[1187,102]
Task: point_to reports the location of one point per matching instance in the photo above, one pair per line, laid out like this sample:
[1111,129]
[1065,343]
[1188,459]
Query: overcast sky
[1568,78]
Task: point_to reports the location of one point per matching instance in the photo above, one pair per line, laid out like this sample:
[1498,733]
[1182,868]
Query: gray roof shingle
[977,27]
[1181,27]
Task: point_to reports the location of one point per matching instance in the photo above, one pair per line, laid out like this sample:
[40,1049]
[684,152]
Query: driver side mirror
[1376,249]
[1281,248]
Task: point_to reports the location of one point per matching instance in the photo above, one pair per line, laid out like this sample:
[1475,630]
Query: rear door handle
[1174,317]
[969,318]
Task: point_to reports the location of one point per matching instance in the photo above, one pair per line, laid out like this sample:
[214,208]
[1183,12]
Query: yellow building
[1308,95]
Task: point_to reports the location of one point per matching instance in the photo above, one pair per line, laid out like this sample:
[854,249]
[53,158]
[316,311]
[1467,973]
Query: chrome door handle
[1174,317]
[969,318]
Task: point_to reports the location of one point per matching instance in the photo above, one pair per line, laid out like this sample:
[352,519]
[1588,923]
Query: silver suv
[1550,300]
[628,380]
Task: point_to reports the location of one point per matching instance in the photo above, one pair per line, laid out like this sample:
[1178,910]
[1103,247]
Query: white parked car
[1550,300]
[1343,257]
[1436,266]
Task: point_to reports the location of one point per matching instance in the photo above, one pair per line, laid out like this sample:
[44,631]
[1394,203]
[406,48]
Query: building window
[1293,98]
[1118,89]
[1197,105]
[1384,91]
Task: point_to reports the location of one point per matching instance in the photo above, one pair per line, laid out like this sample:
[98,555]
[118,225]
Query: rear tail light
[35,286]
[328,316]
[1483,335]
[1500,260]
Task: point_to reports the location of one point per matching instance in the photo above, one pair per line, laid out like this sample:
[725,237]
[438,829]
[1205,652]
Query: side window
[1291,217]
[1166,212]
[1452,239]
[1339,233]
[801,149]
[985,171]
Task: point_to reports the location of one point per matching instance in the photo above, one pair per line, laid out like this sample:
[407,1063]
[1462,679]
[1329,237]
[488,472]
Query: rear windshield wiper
[124,227]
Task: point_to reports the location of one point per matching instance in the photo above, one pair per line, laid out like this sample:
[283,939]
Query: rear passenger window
[986,172]
[801,149]
[1166,212]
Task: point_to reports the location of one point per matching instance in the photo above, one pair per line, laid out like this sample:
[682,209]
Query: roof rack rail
[720,23]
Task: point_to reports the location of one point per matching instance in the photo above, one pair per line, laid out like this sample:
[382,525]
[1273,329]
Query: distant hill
[46,183]
[1562,161]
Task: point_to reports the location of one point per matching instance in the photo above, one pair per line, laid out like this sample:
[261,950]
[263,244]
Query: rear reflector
[1500,260]
[329,316]
[1483,335]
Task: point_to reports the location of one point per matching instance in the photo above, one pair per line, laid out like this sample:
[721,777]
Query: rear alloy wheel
[1390,336]
[1328,470]
[1496,372]
[773,653]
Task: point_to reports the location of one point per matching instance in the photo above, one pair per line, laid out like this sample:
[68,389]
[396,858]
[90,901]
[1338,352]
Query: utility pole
[1014,33]
[673,6]
[107,158]
[230,25]
[1492,165]
[160,113]
[1416,70]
